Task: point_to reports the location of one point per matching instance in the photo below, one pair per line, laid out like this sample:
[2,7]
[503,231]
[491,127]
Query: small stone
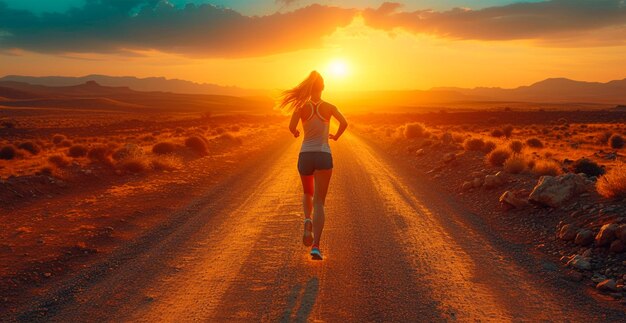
[617,246]
[579,262]
[584,237]
[606,234]
[608,285]
[568,232]
[47,275]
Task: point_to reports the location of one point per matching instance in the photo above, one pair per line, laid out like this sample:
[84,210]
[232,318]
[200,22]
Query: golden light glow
[337,68]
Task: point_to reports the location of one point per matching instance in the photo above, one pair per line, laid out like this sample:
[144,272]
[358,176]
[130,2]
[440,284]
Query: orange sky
[375,59]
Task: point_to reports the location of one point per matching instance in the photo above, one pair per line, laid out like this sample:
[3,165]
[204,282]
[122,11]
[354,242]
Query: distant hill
[91,95]
[559,90]
[160,84]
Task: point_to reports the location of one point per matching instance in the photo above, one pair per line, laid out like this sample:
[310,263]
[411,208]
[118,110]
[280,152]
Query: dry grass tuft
[100,153]
[474,144]
[59,161]
[544,167]
[198,144]
[8,152]
[163,148]
[516,146]
[515,164]
[616,142]
[65,143]
[613,183]
[58,138]
[77,151]
[229,138]
[30,147]
[138,164]
[498,156]
[534,143]
[588,167]
[415,130]
[489,146]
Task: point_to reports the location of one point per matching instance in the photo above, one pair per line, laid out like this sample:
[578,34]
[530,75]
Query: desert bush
[179,130]
[235,128]
[66,143]
[45,170]
[613,183]
[8,152]
[588,167]
[29,146]
[515,164]
[147,138]
[128,151]
[534,143]
[136,165]
[474,144]
[498,156]
[59,161]
[166,162]
[100,153]
[164,147]
[219,130]
[489,146]
[508,131]
[616,142]
[58,138]
[198,144]
[547,167]
[516,146]
[414,130]
[77,151]
[497,133]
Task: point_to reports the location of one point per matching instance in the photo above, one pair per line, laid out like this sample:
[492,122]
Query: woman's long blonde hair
[298,96]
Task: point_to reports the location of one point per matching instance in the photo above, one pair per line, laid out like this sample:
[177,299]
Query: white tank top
[315,131]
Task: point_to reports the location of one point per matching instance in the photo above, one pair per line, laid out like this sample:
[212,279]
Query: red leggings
[308,184]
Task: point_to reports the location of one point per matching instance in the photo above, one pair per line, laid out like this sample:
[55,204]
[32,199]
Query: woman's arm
[293,124]
[343,124]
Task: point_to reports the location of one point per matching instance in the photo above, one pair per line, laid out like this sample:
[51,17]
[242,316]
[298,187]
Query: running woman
[315,162]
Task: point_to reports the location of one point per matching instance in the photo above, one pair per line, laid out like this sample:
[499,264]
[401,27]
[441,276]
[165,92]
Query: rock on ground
[553,191]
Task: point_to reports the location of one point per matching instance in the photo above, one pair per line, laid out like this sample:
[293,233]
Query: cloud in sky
[204,30]
[196,30]
[556,19]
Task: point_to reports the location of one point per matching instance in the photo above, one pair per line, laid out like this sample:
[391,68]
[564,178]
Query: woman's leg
[308,187]
[322,179]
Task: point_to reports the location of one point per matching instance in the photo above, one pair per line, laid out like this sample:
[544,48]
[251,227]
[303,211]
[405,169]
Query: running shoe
[307,238]
[316,254]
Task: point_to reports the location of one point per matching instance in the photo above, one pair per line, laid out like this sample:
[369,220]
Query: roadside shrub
[179,130]
[508,131]
[613,183]
[516,146]
[100,153]
[588,167]
[534,143]
[235,128]
[164,147]
[547,167]
[515,164]
[616,142]
[166,162]
[128,151]
[498,156]
[147,138]
[198,144]
[65,143]
[58,138]
[30,147]
[135,165]
[489,146]
[77,151]
[8,152]
[414,130]
[497,133]
[59,161]
[474,144]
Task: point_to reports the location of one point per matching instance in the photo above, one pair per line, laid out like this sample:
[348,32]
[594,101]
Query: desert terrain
[118,208]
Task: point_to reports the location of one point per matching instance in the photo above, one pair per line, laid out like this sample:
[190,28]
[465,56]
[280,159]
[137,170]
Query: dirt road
[395,250]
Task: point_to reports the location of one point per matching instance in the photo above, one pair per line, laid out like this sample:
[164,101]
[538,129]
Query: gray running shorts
[310,161]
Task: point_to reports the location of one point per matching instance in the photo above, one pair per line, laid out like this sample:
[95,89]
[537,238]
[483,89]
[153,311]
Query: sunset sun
[337,68]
